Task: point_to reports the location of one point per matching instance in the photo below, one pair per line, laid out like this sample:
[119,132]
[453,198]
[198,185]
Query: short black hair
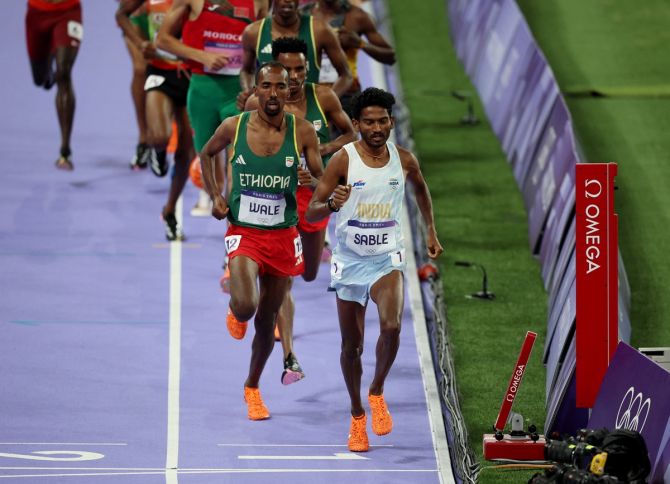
[372,96]
[288,45]
[269,65]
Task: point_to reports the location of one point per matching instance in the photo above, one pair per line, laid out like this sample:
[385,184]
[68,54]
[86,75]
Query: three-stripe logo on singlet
[240,160]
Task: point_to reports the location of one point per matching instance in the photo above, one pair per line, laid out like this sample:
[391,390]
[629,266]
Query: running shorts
[352,277]
[49,28]
[211,99]
[277,252]
[172,82]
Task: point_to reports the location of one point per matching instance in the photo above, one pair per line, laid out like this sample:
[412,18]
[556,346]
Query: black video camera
[568,474]
[596,456]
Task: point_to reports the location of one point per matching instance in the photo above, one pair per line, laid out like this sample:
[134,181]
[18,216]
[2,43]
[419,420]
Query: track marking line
[63,443]
[174,367]
[295,445]
[335,456]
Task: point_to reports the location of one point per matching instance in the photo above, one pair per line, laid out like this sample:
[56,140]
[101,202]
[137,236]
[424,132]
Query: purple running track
[86,317]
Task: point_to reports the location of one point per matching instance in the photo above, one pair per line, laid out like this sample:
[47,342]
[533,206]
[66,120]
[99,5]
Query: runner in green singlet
[262,241]
[287,22]
[318,105]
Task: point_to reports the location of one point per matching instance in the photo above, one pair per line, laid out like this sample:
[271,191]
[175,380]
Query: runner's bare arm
[376,47]
[335,114]
[252,103]
[262,8]
[330,189]
[328,41]
[249,38]
[222,137]
[413,173]
[309,146]
[126,8]
[167,38]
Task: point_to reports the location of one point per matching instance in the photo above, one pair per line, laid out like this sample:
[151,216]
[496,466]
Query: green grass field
[620,48]
[615,47]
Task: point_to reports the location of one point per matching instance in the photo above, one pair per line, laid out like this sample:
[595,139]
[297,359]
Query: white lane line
[295,445]
[202,469]
[171,476]
[335,456]
[120,469]
[220,471]
[56,455]
[63,443]
[87,474]
[435,418]
[174,367]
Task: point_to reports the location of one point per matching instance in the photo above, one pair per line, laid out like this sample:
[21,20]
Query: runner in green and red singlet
[262,240]
[318,105]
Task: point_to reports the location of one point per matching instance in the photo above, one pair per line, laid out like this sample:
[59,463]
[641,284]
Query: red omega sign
[597,250]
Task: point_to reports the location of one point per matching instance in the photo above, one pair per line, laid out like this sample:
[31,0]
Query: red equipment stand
[513,448]
[518,444]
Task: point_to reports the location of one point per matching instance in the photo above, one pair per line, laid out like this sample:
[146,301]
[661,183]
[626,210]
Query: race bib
[336,267]
[297,244]
[260,208]
[398,258]
[371,238]
[75,30]
[232,243]
[234,54]
[153,81]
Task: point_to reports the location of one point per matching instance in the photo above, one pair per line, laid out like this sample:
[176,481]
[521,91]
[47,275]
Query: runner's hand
[214,62]
[242,98]
[341,195]
[304,177]
[220,208]
[148,49]
[433,245]
[348,38]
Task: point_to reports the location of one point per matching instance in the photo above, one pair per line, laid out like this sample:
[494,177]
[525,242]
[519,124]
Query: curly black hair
[288,45]
[270,64]
[372,96]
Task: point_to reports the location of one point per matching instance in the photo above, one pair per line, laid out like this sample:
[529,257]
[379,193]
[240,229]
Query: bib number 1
[398,258]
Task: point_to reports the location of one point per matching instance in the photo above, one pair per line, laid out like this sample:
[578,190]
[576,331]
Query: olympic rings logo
[635,411]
